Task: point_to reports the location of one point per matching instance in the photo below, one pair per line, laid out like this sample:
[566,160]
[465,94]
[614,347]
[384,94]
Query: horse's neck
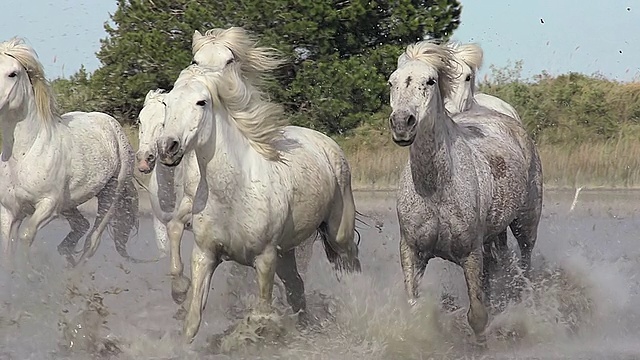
[431,153]
[26,137]
[229,159]
[165,176]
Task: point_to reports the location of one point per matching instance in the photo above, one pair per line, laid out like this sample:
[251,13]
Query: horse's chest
[22,188]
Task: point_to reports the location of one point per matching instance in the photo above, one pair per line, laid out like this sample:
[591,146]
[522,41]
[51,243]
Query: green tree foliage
[570,108]
[341,51]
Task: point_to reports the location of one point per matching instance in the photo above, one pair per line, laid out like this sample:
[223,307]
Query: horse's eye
[201,103]
[468,78]
[193,62]
[431,81]
[230,61]
[13,74]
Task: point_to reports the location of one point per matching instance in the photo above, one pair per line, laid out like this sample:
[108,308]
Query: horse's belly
[85,186]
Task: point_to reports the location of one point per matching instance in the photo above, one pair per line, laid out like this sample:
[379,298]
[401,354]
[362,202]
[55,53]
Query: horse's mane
[255,60]
[45,101]
[438,56]
[259,120]
[471,54]
[154,95]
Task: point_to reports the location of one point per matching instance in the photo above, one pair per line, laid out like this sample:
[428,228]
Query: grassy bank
[376,161]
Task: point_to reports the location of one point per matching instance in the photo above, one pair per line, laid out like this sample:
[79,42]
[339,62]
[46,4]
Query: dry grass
[377,163]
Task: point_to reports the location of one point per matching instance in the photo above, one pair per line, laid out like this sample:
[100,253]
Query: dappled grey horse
[465,181]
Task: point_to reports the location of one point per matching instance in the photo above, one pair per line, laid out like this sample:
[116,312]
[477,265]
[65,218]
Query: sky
[556,36]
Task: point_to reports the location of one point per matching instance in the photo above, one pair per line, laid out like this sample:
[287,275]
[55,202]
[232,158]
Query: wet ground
[583,302]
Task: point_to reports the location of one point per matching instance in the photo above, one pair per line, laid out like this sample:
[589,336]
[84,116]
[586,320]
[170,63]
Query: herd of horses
[226,166]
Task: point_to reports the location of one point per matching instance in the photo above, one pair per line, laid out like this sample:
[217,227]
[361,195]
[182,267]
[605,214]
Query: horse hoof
[480,344]
[179,289]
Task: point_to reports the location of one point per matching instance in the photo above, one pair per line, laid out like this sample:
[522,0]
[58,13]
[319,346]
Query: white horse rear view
[51,164]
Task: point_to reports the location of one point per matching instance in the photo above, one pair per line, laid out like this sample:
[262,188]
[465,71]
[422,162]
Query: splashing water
[581,302]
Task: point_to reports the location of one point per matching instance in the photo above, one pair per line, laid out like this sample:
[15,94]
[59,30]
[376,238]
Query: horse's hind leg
[79,227]
[105,199]
[125,219]
[338,233]
[288,272]
[303,254]
[525,230]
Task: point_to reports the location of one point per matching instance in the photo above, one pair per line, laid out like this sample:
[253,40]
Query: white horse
[165,183]
[467,62]
[264,187]
[50,163]
[166,187]
[212,50]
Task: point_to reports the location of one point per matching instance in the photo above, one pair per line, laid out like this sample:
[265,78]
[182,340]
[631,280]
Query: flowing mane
[154,95]
[45,101]
[255,61]
[470,54]
[260,121]
[438,56]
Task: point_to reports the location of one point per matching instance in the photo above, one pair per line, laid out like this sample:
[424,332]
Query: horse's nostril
[411,121]
[174,146]
[151,157]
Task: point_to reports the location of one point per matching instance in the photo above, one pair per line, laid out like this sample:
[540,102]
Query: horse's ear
[402,59]
[196,35]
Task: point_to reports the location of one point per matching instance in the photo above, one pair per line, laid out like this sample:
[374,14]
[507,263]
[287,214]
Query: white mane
[435,55]
[470,54]
[45,101]
[154,95]
[260,121]
[255,61]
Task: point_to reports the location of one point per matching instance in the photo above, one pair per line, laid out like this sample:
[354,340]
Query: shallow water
[583,302]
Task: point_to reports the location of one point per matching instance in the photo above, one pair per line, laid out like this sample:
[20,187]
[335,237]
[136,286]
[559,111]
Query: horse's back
[323,149]
[321,179]
[100,147]
[512,160]
[497,104]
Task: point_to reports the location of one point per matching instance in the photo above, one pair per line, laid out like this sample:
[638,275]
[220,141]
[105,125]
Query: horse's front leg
[9,225]
[42,215]
[203,264]
[175,229]
[265,265]
[477,314]
[412,267]
[162,238]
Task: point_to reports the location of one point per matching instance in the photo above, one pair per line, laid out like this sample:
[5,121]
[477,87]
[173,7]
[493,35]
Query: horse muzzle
[170,153]
[146,162]
[403,125]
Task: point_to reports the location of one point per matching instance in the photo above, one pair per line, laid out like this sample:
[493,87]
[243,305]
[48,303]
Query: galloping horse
[263,187]
[465,181]
[52,163]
